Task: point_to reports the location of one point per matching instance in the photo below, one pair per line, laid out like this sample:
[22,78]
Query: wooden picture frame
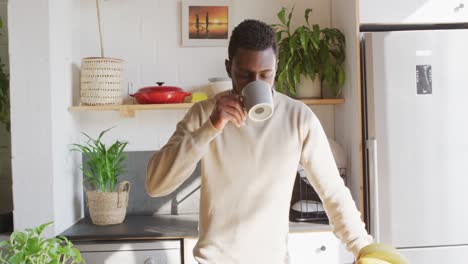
[206,23]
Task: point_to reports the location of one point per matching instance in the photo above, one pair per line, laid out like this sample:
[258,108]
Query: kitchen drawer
[314,247]
[155,252]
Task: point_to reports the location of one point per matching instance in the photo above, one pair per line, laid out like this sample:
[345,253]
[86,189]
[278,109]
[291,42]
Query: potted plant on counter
[310,58]
[30,247]
[101,169]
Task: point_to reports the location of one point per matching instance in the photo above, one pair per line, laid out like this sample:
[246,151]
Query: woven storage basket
[108,208]
[101,81]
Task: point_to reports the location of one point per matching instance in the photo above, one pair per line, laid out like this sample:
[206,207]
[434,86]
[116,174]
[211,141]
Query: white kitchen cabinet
[304,248]
[413,11]
[154,252]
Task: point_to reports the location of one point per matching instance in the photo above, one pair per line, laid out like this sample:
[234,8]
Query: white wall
[146,34]
[43,53]
[64,60]
[413,11]
[31,112]
[347,116]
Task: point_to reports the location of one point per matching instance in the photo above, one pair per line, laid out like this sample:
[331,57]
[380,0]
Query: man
[249,168]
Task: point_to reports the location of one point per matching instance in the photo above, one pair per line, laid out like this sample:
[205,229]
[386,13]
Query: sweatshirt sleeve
[318,161]
[176,161]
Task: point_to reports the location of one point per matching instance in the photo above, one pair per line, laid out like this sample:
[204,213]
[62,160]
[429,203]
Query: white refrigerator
[415,129]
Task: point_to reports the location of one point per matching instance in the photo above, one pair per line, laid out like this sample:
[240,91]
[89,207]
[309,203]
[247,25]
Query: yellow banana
[377,248]
[381,252]
[371,261]
[386,256]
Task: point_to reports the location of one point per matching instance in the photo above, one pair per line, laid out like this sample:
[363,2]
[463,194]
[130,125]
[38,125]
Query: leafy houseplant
[30,248]
[101,169]
[331,58]
[103,165]
[309,51]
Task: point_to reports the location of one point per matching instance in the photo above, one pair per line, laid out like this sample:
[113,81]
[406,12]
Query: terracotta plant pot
[108,208]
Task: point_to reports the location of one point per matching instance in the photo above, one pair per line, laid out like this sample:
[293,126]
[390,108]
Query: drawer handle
[150,260]
[323,248]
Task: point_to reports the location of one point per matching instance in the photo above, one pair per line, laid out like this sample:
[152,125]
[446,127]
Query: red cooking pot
[160,94]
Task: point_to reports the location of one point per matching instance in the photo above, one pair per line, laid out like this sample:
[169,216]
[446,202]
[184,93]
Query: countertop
[157,227]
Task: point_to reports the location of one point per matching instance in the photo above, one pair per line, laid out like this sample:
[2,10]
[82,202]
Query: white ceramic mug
[258,100]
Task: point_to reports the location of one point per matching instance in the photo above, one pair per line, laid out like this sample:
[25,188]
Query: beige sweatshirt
[247,180]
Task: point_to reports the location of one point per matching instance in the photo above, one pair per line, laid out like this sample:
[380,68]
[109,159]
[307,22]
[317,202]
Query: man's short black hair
[253,35]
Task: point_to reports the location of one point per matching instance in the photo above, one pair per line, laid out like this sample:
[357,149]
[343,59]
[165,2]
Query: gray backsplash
[184,200]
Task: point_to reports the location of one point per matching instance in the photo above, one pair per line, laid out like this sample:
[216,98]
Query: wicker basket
[101,81]
[108,208]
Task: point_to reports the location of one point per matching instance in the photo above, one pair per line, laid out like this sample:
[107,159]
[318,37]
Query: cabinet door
[314,247]
[413,11]
[167,256]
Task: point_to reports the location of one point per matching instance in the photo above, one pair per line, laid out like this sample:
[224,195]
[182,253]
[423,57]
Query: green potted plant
[102,168]
[30,248]
[310,58]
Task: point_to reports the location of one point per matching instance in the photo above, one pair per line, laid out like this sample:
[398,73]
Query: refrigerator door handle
[371,145]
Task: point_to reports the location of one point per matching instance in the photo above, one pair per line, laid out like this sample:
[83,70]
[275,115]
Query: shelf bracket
[125,111]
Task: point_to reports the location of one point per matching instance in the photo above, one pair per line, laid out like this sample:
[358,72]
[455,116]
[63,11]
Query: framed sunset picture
[206,22]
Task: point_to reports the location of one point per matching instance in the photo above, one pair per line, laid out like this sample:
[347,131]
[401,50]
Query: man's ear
[228,65]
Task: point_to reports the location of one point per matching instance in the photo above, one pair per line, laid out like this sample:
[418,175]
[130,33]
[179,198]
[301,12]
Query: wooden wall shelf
[128,110]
